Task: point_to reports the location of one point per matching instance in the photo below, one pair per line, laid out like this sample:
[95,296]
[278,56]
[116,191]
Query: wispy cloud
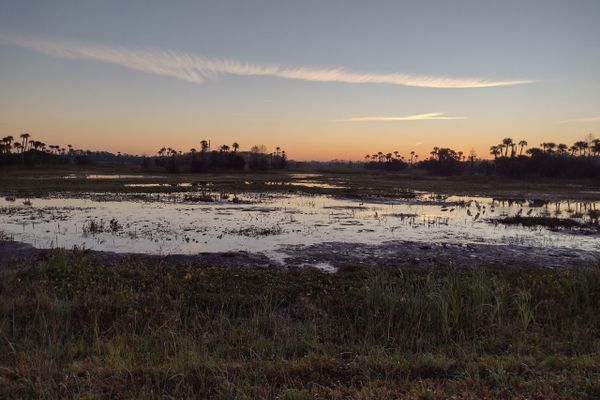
[588,119]
[196,68]
[417,117]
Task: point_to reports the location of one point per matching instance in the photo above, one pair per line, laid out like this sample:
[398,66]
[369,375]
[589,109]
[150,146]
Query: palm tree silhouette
[8,142]
[581,145]
[495,151]
[507,142]
[595,148]
[235,146]
[24,141]
[522,145]
[562,148]
[203,146]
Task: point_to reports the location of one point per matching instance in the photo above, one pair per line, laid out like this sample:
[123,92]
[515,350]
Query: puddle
[306,183]
[204,221]
[150,185]
[108,176]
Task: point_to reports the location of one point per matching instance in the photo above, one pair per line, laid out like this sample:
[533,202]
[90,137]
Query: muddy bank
[417,254]
[12,253]
[332,256]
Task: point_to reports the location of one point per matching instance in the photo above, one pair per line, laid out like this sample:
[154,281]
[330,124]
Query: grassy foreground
[69,328]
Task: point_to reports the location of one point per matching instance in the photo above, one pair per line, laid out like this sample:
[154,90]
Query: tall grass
[71,328]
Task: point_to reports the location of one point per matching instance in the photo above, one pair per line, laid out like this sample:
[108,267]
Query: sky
[321,79]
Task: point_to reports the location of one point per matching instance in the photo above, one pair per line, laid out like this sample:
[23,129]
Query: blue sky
[61,83]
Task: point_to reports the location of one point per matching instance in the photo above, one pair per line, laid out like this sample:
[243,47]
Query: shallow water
[202,221]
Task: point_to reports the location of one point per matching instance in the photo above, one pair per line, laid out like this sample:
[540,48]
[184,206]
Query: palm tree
[412,155]
[507,142]
[522,144]
[581,145]
[24,140]
[595,148]
[495,151]
[562,148]
[235,146]
[573,149]
[7,140]
[225,148]
[162,151]
[277,149]
[203,146]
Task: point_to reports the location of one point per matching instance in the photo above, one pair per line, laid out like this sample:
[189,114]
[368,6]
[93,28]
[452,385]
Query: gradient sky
[322,79]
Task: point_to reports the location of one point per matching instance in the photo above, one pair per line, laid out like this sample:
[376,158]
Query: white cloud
[588,119]
[417,117]
[196,68]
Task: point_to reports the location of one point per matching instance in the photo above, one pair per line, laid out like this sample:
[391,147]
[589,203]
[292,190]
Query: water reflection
[207,221]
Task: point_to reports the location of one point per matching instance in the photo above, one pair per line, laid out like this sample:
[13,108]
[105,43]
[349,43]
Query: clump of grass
[95,226]
[256,231]
[549,222]
[72,328]
[199,198]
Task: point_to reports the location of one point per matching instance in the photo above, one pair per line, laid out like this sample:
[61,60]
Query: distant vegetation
[514,159]
[26,151]
[224,157]
[510,158]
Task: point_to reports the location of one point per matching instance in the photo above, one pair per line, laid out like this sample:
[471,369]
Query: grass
[73,329]
[355,183]
[548,222]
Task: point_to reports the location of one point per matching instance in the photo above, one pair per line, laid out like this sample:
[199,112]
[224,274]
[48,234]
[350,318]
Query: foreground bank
[74,327]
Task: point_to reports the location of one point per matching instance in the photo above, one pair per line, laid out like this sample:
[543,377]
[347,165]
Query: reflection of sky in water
[166,223]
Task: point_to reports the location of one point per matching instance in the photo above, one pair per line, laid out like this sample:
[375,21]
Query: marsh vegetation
[75,328]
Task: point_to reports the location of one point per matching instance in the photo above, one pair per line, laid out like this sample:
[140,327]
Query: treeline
[224,158]
[514,159]
[26,151]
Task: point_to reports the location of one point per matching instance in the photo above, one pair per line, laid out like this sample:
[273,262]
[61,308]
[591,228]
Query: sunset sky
[321,79]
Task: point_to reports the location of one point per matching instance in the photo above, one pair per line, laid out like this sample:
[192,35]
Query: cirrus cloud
[416,117]
[587,119]
[197,68]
